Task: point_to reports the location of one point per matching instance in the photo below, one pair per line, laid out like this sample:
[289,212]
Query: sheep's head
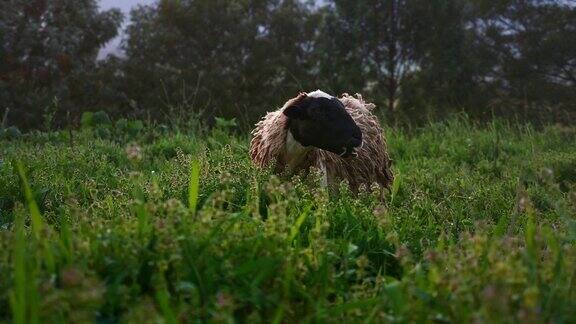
[320,120]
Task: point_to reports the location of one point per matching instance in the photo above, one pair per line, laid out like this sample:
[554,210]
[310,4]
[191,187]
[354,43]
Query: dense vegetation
[419,59]
[120,221]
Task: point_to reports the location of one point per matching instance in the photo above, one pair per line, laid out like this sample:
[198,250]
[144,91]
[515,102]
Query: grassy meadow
[122,222]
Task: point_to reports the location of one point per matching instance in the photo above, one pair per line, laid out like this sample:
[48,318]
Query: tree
[443,79]
[228,58]
[370,44]
[529,54]
[435,56]
[46,50]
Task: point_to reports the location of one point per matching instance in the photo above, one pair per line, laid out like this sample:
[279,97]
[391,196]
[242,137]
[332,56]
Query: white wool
[295,151]
[319,94]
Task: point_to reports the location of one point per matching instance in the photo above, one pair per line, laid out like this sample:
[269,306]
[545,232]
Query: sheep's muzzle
[352,147]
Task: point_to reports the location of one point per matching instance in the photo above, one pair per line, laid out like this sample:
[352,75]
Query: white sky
[125,6]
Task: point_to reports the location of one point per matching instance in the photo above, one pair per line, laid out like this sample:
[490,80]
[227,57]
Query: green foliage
[530,58]
[188,61]
[376,66]
[48,54]
[418,59]
[217,57]
[479,226]
[100,125]
[9,133]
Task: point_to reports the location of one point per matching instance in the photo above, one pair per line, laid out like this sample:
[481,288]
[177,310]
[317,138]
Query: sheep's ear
[296,112]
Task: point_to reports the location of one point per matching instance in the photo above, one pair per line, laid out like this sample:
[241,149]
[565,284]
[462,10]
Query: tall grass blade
[194,185]
[66,239]
[36,217]
[143,221]
[278,315]
[18,294]
[164,303]
[296,227]
[38,226]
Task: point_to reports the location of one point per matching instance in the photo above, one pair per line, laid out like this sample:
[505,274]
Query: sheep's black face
[324,123]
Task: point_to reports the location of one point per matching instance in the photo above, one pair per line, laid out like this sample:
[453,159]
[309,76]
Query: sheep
[341,137]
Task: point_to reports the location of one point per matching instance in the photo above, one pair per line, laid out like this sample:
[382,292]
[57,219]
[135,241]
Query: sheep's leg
[324,174]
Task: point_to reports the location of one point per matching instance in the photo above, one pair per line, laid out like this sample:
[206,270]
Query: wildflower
[393,238]
[224,300]
[71,277]
[134,152]
[403,254]
[431,256]
[523,203]
[547,176]
[362,262]
[531,296]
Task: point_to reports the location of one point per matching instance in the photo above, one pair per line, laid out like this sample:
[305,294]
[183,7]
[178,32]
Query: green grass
[480,225]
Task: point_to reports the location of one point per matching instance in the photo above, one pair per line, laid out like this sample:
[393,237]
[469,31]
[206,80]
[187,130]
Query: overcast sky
[125,6]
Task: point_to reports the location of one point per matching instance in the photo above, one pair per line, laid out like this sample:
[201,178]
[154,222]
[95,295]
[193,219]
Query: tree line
[416,59]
